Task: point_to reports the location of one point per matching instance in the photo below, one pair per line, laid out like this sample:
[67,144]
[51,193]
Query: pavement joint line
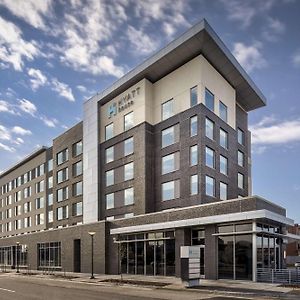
[7,290]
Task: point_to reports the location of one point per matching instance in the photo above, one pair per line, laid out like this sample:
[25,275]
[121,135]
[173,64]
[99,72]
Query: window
[77,189]
[27,192]
[223,138]
[194,155]
[77,168]
[9,200]
[62,213]
[240,180]
[39,219]
[110,201]
[18,196]
[128,121]
[223,191]
[110,177]
[40,170]
[27,222]
[109,131]
[170,190]
[109,154]
[50,165]
[241,136]
[62,194]
[128,171]
[128,146]
[77,209]
[168,136]
[210,186]
[209,100]
[194,126]
[39,186]
[50,199]
[223,165]
[49,255]
[193,96]
[167,109]
[50,216]
[18,210]
[77,148]
[39,203]
[62,156]
[128,196]
[62,175]
[50,182]
[240,158]
[209,128]
[27,207]
[168,163]
[210,157]
[223,111]
[194,184]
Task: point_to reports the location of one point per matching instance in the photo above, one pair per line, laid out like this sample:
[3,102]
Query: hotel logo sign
[125,101]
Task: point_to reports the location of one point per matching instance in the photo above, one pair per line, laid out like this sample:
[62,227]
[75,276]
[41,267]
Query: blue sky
[56,54]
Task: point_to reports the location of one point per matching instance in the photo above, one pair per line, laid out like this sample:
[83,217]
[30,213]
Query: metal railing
[284,276]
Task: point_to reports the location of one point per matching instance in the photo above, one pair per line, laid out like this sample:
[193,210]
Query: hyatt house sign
[126,101]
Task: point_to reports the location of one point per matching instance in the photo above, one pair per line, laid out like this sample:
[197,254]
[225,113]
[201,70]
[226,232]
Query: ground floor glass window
[49,255]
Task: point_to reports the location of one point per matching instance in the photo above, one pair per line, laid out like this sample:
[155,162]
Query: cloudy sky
[56,54]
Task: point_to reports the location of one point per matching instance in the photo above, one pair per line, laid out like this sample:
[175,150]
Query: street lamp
[91,233]
[17,256]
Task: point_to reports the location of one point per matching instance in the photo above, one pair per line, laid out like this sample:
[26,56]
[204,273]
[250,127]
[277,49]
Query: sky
[56,54]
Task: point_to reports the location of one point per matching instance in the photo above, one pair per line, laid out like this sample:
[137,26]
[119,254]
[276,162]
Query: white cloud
[273,29]
[296,59]
[19,141]
[27,107]
[37,78]
[275,132]
[7,148]
[31,11]
[4,133]
[250,57]
[21,131]
[49,122]
[13,48]
[62,89]
[6,107]
[81,88]
[141,42]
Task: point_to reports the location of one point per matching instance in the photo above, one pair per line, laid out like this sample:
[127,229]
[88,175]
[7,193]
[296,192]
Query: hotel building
[161,160]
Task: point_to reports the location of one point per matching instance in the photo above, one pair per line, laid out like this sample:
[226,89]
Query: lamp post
[92,261]
[17,256]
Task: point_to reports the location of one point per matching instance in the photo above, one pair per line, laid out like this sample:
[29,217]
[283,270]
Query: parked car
[297,264]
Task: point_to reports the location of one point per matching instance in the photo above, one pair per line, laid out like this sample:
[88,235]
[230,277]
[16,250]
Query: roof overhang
[200,39]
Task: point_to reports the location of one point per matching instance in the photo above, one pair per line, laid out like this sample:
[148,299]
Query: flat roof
[199,39]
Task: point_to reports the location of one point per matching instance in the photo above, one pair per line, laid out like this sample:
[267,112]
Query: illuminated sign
[126,101]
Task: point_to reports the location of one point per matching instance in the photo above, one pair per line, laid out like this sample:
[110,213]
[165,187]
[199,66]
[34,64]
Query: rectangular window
[223,165]
[193,125]
[50,165]
[77,168]
[27,192]
[50,182]
[193,96]
[39,219]
[209,128]
[240,158]
[109,154]
[62,156]
[128,146]
[210,189]
[77,148]
[62,175]
[223,138]
[210,157]
[240,180]
[128,121]
[110,201]
[50,216]
[167,109]
[128,171]
[168,136]
[241,136]
[223,111]
[40,170]
[223,191]
[39,186]
[77,209]
[49,255]
[77,189]
[168,163]
[194,184]
[62,194]
[109,131]
[128,196]
[170,190]
[209,100]
[62,213]
[110,177]
[194,155]
[27,207]
[50,199]
[39,203]
[27,222]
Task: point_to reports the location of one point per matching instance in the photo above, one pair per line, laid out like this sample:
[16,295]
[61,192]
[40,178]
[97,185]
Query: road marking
[6,290]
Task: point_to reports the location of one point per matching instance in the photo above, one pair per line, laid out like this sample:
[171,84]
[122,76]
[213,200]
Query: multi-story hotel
[161,160]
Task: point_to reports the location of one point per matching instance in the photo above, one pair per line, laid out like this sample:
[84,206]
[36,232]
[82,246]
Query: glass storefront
[49,255]
[148,254]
